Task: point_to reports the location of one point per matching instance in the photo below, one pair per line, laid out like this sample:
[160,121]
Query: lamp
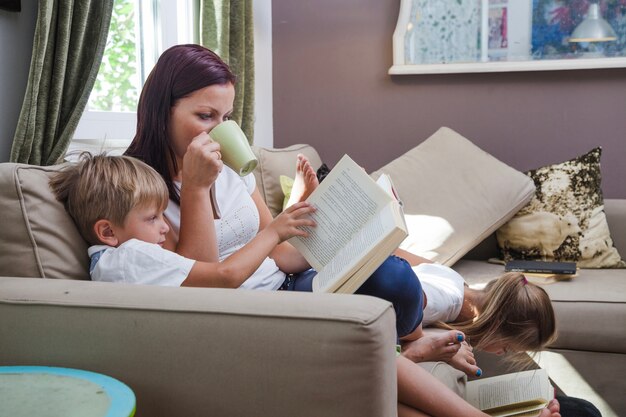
[593,28]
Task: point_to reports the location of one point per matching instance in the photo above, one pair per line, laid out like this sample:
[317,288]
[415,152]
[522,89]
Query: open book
[359,224]
[518,394]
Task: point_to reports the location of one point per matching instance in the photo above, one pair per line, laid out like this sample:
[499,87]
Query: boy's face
[143,223]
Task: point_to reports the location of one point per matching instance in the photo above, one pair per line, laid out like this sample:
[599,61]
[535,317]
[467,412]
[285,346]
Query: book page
[349,258]
[529,388]
[346,200]
[384,182]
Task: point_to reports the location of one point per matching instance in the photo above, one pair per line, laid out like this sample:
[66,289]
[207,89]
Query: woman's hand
[202,162]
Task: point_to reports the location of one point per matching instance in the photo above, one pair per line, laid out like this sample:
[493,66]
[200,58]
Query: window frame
[173,23]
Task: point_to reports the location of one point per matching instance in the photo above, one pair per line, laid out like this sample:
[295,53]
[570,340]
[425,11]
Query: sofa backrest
[37,238]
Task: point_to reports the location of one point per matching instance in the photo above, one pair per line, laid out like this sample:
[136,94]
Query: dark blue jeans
[393,281]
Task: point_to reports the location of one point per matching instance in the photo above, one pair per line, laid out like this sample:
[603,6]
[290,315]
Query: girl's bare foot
[434,347]
[304,182]
[464,360]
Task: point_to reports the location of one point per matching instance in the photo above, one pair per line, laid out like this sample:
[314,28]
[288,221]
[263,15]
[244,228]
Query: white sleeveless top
[239,223]
[444,289]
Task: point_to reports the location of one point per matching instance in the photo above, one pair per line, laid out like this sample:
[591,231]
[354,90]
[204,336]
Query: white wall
[263,114]
[16,46]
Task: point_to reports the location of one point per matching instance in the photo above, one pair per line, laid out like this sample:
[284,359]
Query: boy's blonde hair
[107,187]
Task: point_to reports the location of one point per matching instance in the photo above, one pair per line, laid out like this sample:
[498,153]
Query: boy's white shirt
[239,223]
[139,262]
[444,289]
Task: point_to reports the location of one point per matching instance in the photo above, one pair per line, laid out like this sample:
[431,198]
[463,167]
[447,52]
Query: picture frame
[504,36]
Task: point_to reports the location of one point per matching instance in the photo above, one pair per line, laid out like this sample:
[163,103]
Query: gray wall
[332,90]
[16,46]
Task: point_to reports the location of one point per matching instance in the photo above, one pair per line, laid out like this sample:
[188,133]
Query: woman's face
[199,112]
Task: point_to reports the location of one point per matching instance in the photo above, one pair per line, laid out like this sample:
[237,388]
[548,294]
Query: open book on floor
[518,394]
[359,224]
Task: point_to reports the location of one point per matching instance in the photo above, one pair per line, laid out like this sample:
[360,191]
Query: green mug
[234,147]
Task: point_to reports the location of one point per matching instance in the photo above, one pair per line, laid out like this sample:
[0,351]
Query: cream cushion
[454,195]
[276,162]
[36,228]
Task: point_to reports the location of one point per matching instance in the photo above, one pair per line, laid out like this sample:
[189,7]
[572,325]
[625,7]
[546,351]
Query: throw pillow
[37,238]
[454,194]
[286,184]
[565,220]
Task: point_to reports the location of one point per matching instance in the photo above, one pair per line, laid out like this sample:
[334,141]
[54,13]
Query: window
[140,30]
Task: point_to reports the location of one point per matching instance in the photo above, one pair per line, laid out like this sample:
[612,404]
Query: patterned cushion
[565,220]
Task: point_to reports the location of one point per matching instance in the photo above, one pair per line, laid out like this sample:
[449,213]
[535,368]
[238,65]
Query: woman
[189,92]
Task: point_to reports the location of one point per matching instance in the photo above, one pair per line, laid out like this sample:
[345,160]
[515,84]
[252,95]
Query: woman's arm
[238,267]
[201,166]
[287,257]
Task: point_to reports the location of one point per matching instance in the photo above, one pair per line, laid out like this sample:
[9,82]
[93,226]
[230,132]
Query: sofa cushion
[454,194]
[590,309]
[37,238]
[565,220]
[276,162]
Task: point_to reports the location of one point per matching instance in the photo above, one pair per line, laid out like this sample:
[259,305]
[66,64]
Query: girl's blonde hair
[107,187]
[515,312]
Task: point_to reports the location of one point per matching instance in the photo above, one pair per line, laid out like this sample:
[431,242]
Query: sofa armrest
[225,352]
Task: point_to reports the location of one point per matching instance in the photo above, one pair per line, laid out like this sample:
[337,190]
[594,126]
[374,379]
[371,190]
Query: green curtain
[226,28]
[70,36]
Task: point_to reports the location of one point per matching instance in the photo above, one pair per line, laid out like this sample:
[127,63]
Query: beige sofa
[184,352]
[233,353]
[588,360]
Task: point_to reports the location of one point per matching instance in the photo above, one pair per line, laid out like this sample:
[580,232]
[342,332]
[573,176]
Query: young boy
[117,203]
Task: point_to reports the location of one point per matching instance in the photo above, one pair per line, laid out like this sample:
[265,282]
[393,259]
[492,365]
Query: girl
[509,316]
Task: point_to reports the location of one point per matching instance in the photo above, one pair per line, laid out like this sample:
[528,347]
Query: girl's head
[181,75]
[517,316]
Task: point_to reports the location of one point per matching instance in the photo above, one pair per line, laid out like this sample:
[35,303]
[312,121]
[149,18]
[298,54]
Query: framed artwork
[504,35]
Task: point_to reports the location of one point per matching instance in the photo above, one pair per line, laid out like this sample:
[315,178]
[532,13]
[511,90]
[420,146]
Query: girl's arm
[420,393]
[234,270]
[287,257]
[411,258]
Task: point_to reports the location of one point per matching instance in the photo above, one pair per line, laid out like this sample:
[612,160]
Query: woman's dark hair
[180,70]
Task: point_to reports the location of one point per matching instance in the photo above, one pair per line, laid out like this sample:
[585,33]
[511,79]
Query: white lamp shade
[593,28]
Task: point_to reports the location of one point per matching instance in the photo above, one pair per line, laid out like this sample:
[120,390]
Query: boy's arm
[286,256]
[234,270]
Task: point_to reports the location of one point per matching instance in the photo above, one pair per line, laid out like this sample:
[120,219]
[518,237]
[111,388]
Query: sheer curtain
[226,27]
[70,36]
